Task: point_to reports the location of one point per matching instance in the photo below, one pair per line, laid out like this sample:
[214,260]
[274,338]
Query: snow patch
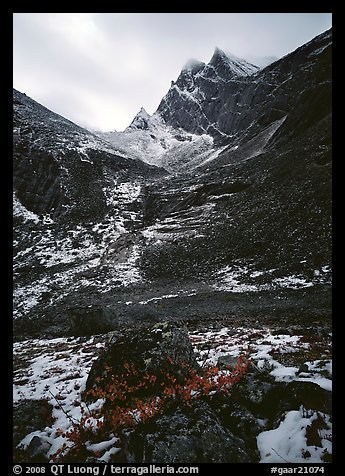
[292,282]
[161,145]
[121,193]
[240,278]
[288,442]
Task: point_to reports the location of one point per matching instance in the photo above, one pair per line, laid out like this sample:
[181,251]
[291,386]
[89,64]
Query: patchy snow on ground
[124,273]
[292,281]
[180,293]
[65,260]
[293,440]
[289,442]
[121,193]
[267,350]
[242,278]
[85,142]
[56,370]
[229,279]
[61,262]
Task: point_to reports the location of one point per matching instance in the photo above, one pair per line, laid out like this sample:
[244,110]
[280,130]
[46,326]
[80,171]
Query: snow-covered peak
[141,120]
[237,66]
[143,112]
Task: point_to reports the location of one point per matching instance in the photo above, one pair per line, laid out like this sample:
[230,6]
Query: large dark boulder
[29,416]
[156,350]
[191,434]
[37,450]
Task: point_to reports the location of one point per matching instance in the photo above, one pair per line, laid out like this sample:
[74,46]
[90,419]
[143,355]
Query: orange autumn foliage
[128,400]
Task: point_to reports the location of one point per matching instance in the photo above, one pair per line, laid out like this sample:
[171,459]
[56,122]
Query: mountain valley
[213,214]
[242,210]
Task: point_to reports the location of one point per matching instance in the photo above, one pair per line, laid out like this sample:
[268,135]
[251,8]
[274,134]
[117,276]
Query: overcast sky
[98,69]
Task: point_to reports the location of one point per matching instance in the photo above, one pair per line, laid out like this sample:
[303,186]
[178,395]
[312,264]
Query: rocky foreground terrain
[212,219]
[279,411]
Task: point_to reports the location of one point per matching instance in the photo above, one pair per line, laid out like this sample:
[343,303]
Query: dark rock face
[203,94]
[188,435]
[59,166]
[286,397]
[37,180]
[281,145]
[226,97]
[31,415]
[279,149]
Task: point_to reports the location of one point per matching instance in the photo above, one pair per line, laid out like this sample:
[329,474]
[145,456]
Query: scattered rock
[252,391]
[120,249]
[37,450]
[303,368]
[242,423]
[227,361]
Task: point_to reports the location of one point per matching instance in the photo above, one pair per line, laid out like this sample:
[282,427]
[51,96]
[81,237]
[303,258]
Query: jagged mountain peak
[218,53]
[143,112]
[191,102]
[236,65]
[140,121]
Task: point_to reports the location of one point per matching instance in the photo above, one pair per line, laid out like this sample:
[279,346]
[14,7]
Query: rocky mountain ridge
[227,103]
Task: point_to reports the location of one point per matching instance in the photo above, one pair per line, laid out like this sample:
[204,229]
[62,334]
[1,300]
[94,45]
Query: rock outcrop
[228,95]
[164,347]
